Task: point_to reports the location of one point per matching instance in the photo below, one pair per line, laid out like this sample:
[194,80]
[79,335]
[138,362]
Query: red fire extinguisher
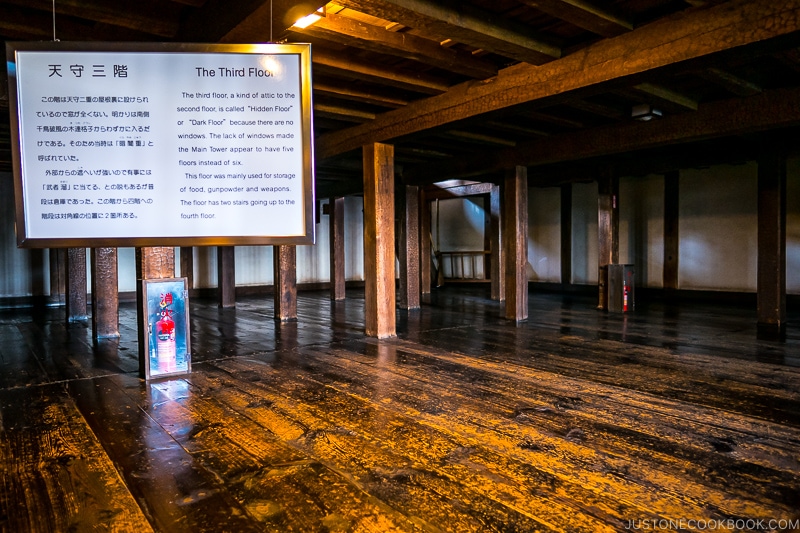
[166,351]
[625,298]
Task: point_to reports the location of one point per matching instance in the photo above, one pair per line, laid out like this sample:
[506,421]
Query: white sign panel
[164,147]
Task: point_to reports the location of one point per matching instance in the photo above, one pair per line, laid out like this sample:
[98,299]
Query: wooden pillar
[58,274]
[515,242]
[379,291]
[336,227]
[607,232]
[105,293]
[671,230]
[772,240]
[284,260]
[497,257]
[566,234]
[425,245]
[156,262]
[226,276]
[76,285]
[187,265]
[408,249]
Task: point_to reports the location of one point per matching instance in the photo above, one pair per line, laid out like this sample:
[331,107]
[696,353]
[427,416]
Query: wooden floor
[575,421]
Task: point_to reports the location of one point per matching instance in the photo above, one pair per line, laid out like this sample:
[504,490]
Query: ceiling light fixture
[308,20]
[645,112]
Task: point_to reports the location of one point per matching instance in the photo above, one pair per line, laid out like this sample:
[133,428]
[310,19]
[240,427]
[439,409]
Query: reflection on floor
[576,421]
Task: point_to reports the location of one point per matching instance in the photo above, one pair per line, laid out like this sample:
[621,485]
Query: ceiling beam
[345,92]
[659,94]
[775,109]
[413,81]
[584,15]
[464,24]
[244,21]
[351,32]
[147,16]
[678,40]
[731,82]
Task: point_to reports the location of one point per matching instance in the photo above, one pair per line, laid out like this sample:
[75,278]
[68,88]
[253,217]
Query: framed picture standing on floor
[166,339]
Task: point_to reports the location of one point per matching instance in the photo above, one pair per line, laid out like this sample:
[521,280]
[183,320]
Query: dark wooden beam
[515,243]
[336,228]
[379,259]
[590,17]
[351,32]
[669,42]
[105,293]
[226,276]
[769,110]
[147,16]
[771,287]
[76,285]
[284,260]
[187,265]
[458,191]
[425,243]
[357,69]
[671,230]
[58,274]
[731,82]
[497,258]
[244,21]
[408,247]
[566,234]
[465,24]
[607,232]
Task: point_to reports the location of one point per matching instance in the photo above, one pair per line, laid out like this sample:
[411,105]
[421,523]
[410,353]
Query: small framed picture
[166,341]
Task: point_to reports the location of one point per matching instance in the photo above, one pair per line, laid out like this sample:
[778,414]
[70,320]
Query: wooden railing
[463,265]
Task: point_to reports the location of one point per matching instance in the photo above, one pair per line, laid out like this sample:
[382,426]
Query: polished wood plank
[56,475]
[574,420]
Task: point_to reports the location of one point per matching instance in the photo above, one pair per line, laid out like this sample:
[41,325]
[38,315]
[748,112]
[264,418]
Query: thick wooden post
[58,274]
[105,293]
[284,260]
[76,285]
[671,230]
[379,292]
[336,227]
[607,233]
[187,265]
[566,234]
[408,249]
[226,276]
[515,242]
[425,281]
[772,241]
[157,262]
[497,259]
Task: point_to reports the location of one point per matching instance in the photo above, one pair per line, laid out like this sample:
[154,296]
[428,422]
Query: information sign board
[161,144]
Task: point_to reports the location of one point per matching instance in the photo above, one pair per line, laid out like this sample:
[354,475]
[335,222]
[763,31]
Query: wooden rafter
[584,15]
[770,109]
[463,24]
[665,43]
[351,32]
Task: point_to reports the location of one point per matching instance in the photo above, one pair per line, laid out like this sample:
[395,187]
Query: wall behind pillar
[641,228]
[15,263]
[719,228]
[584,233]
[544,234]
[793,226]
